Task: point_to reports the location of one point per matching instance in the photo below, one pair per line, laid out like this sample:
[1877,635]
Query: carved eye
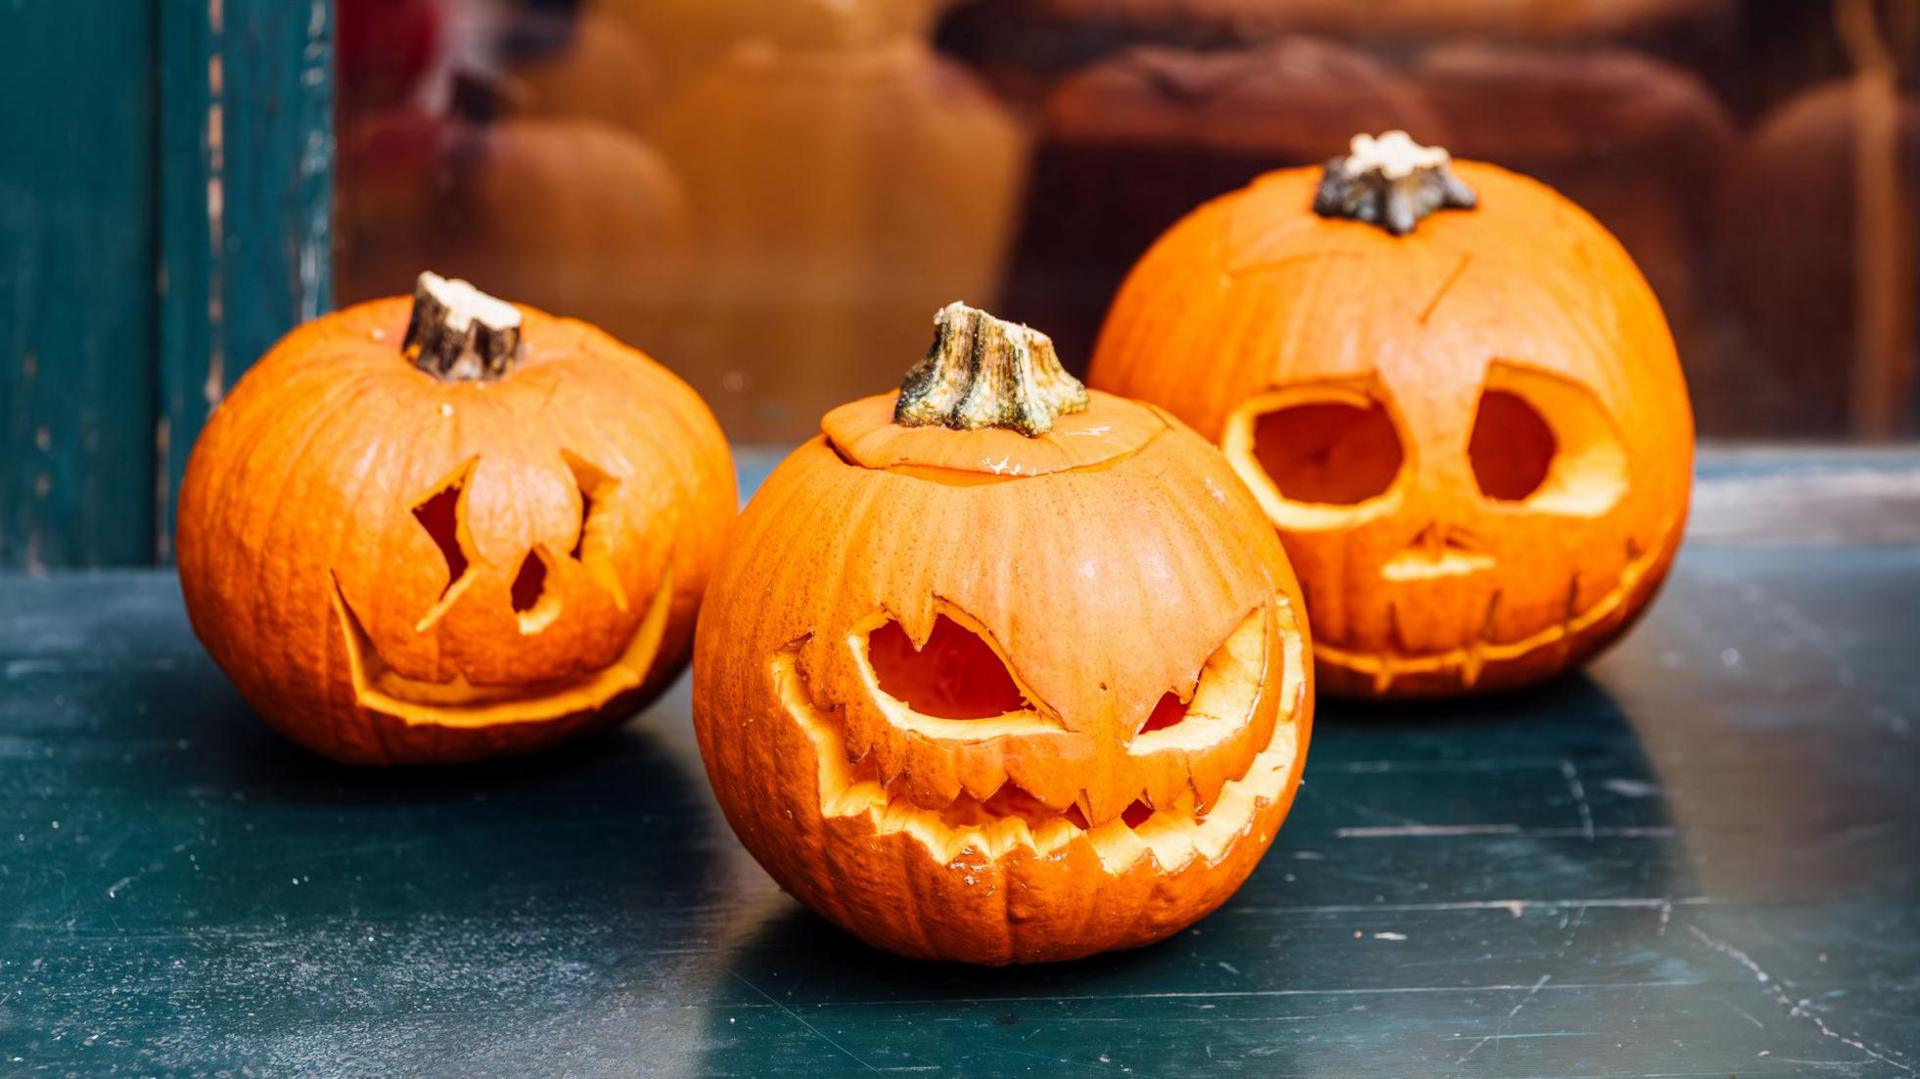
[1546,442]
[955,676]
[440,515]
[1315,454]
[1511,448]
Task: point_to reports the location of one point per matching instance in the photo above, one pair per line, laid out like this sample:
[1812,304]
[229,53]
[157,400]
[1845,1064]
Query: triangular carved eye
[955,676]
[439,514]
[593,545]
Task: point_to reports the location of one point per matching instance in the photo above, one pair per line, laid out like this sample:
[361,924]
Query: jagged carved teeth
[1013,819]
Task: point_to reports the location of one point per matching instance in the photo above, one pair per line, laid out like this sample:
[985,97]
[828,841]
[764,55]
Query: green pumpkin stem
[986,372]
[458,332]
[1392,182]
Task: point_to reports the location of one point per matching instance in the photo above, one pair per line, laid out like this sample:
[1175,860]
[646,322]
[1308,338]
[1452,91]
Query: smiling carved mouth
[1468,660]
[459,703]
[1013,819]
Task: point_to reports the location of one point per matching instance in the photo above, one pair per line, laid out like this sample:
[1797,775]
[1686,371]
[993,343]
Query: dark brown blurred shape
[1794,231]
[1638,143]
[842,196]
[1130,145]
[1530,19]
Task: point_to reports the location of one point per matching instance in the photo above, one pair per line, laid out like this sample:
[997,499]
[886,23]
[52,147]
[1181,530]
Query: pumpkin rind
[1131,567]
[1431,587]
[335,610]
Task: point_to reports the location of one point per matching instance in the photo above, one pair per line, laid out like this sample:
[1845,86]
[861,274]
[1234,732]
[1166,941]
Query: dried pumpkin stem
[987,372]
[458,332]
[1391,181]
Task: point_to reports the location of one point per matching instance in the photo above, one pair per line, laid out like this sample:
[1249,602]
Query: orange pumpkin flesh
[985,696]
[1474,438]
[394,566]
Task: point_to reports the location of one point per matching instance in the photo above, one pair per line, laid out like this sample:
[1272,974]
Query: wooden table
[1702,859]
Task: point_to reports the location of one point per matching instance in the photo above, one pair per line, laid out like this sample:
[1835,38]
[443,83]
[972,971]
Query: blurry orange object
[840,194]
[573,216]
[1474,438]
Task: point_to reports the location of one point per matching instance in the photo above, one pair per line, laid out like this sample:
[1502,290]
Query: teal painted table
[1701,859]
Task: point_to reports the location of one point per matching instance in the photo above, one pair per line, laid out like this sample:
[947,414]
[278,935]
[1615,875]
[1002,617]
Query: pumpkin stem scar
[986,372]
[1391,181]
[458,332]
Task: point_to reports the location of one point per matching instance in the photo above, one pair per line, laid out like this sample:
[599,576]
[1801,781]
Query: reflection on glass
[773,196]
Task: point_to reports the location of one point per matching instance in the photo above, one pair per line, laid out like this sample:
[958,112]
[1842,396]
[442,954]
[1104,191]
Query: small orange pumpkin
[451,532]
[1473,435]
[998,670]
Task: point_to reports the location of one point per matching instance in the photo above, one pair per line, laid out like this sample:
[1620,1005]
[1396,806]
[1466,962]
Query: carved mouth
[1013,819]
[1467,661]
[459,703]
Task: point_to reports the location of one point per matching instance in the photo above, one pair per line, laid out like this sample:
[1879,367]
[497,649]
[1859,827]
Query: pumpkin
[1182,125]
[1470,430]
[1816,226]
[999,670]
[450,530]
[564,214]
[837,194]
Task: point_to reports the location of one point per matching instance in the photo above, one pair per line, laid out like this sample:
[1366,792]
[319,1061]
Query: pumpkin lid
[990,398]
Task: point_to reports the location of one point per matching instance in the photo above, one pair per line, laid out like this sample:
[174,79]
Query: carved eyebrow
[1224,696]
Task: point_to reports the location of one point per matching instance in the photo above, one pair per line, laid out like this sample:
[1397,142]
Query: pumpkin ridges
[1527,278]
[322,418]
[830,548]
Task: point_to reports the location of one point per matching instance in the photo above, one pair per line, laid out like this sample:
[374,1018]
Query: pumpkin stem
[456,331]
[1391,181]
[986,372]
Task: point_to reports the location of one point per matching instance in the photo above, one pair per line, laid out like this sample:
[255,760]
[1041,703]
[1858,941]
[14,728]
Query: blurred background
[773,196]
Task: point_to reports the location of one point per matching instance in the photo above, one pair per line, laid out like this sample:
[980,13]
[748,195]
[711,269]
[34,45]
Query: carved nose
[1438,550]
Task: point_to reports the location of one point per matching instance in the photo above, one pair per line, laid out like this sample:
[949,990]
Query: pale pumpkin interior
[1225,696]
[1319,455]
[1547,442]
[460,703]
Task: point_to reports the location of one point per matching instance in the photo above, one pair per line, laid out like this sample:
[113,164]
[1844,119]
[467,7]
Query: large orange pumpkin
[1471,431]
[450,532]
[998,670]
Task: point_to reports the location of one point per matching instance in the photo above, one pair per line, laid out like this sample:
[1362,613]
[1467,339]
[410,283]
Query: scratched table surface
[1700,858]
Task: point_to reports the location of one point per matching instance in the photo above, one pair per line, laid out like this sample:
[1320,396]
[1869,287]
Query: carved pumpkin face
[395,566]
[1474,438]
[983,696]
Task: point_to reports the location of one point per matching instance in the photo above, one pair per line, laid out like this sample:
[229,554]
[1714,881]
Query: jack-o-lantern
[442,534]
[1470,430]
[999,670]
